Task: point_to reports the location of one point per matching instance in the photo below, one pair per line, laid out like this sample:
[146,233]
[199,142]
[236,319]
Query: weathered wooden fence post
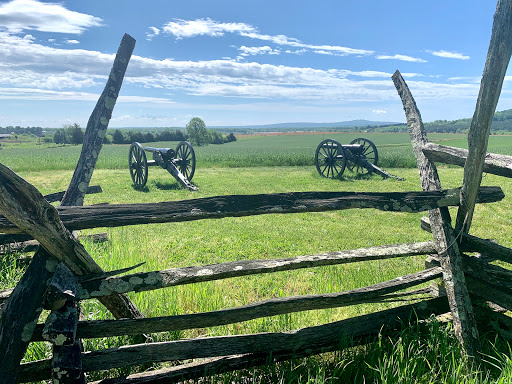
[98,124]
[60,327]
[498,57]
[460,304]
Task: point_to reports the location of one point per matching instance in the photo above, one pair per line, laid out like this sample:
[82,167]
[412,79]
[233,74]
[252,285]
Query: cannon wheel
[185,159]
[138,165]
[369,154]
[330,159]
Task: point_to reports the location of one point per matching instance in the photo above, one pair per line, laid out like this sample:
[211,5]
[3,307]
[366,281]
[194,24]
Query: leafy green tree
[77,135]
[117,137]
[74,134]
[215,137]
[59,137]
[196,131]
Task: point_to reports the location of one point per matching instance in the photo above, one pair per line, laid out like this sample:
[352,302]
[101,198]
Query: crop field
[287,150]
[425,353]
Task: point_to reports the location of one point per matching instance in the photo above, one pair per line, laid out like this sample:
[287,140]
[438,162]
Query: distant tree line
[38,131]
[129,136]
[196,132]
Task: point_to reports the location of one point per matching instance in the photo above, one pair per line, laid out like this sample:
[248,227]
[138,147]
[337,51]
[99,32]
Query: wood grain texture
[495,164]
[98,124]
[186,275]
[114,215]
[16,327]
[144,281]
[57,196]
[496,64]
[440,221]
[271,307]
[470,243]
[327,335]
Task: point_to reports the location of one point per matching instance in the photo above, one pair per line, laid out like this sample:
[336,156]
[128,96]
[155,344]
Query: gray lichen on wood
[493,163]
[496,64]
[98,123]
[113,215]
[446,244]
[311,338]
[380,292]
[187,275]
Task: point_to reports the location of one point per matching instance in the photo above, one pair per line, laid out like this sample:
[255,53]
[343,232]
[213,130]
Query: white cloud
[450,55]
[402,58]
[26,64]
[471,79]
[19,15]
[296,52]
[253,51]
[154,32]
[380,111]
[190,28]
[44,94]
[71,42]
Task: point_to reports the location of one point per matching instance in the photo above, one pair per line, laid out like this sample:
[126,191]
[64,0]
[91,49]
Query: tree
[74,134]
[231,137]
[59,137]
[118,137]
[77,135]
[215,137]
[196,131]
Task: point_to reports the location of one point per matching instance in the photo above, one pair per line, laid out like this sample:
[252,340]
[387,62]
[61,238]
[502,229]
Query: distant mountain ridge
[306,125]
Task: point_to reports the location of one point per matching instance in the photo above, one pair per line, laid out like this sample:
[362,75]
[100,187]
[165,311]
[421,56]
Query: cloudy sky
[235,62]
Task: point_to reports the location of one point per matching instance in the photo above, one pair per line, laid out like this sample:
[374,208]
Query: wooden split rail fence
[312,339]
[62,273]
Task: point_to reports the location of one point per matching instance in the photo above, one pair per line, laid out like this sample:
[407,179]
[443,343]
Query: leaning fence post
[98,124]
[498,57]
[458,296]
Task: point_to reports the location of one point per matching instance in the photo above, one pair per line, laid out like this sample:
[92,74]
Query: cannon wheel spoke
[185,159]
[369,153]
[138,164]
[330,159]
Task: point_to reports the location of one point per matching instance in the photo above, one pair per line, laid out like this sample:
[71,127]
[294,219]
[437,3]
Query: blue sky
[242,62]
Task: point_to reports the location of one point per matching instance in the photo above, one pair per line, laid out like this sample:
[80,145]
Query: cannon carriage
[179,162]
[360,156]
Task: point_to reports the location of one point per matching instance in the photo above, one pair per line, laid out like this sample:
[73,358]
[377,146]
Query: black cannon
[180,163]
[360,156]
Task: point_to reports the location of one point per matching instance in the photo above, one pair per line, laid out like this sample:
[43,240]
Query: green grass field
[256,151]
[419,354]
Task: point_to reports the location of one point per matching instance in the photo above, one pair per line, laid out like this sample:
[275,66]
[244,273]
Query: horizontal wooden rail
[32,245]
[144,281]
[57,196]
[116,215]
[470,243]
[500,165]
[272,342]
[487,281]
[187,275]
[272,307]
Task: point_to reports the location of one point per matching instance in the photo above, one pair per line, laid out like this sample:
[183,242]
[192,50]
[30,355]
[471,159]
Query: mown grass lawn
[415,355]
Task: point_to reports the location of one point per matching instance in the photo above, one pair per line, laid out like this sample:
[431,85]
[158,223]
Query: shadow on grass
[167,186]
[143,189]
